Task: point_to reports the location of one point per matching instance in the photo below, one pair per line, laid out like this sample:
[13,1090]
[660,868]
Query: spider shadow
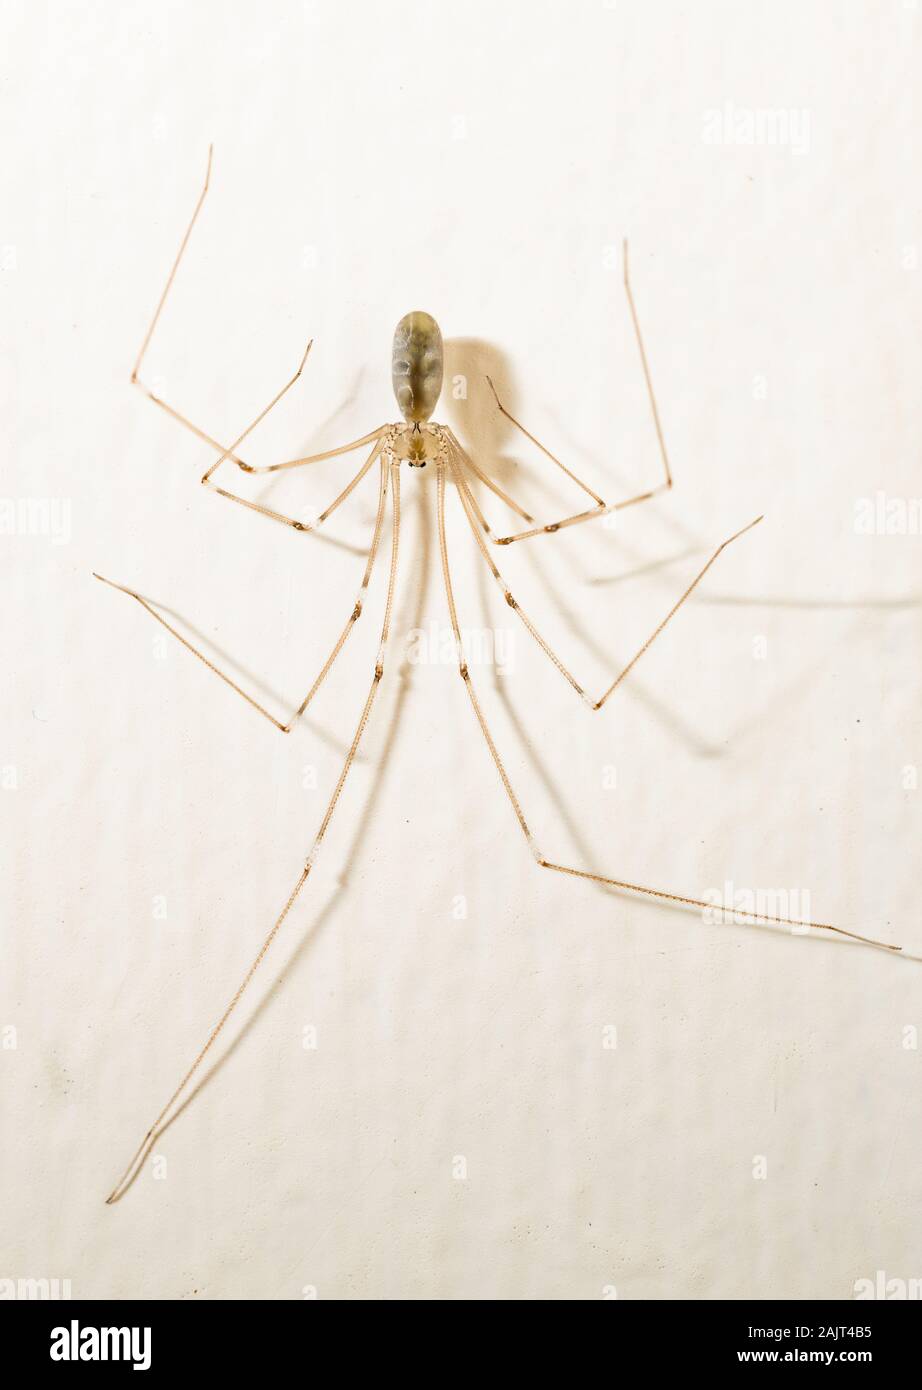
[477,418]
[253,681]
[585,852]
[415,606]
[863,610]
[469,361]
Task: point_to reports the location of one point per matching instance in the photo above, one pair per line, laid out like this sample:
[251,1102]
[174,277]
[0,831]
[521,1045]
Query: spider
[419,442]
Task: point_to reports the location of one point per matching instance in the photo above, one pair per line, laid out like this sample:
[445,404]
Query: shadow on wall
[473,415]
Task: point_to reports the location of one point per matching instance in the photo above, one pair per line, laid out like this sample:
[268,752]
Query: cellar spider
[418,442]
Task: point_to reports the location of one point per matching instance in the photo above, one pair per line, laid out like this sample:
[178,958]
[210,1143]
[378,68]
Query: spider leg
[164,1117]
[315,458]
[467,501]
[488,482]
[337,648]
[377,435]
[135,378]
[544,863]
[226,453]
[273,515]
[601,506]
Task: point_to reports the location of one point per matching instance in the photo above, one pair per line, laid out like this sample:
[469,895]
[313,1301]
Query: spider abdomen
[416,366]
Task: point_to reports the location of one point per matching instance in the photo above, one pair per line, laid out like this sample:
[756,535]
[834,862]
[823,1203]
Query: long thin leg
[230,451]
[303,526]
[547,453]
[601,506]
[488,482]
[378,435]
[338,645]
[467,502]
[135,378]
[311,458]
[226,453]
[544,863]
[159,1123]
